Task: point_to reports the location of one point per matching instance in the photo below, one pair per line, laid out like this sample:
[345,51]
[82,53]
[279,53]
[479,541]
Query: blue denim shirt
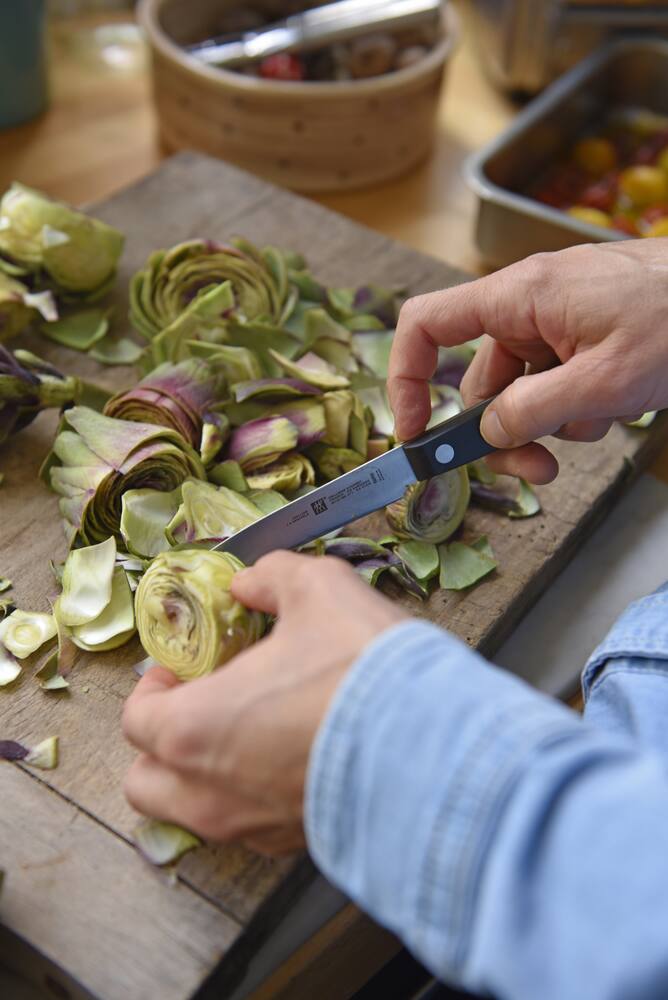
[517,848]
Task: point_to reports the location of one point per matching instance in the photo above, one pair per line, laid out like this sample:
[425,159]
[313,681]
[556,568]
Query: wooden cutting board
[75,888]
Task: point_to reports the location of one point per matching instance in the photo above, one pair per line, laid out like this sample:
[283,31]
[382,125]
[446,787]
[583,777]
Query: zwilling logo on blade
[319,506]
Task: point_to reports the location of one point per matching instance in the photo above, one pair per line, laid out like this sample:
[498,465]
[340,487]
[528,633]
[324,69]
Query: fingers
[266,586]
[148,709]
[158,791]
[492,369]
[540,404]
[584,430]
[532,462]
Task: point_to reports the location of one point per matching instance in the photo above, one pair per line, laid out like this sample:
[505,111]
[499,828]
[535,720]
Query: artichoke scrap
[27,386]
[19,306]
[96,459]
[53,246]
[188,620]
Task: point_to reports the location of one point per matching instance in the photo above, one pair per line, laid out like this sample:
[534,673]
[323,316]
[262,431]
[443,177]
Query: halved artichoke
[431,511]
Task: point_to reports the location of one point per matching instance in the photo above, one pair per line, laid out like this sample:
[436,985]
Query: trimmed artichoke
[431,511]
[187,619]
[177,396]
[28,385]
[210,513]
[171,279]
[70,251]
[96,459]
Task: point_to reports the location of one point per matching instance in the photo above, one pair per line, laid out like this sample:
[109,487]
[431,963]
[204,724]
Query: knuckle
[179,739]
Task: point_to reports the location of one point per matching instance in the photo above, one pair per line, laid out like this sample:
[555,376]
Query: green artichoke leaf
[187,618]
[272,389]
[145,515]
[196,322]
[421,559]
[312,370]
[24,632]
[263,339]
[164,843]
[238,363]
[79,254]
[115,625]
[10,668]
[210,512]
[86,583]
[527,503]
[642,422]
[15,313]
[79,331]
[5,584]
[230,474]
[332,462]
[49,677]
[266,500]
[372,350]
[464,565]
[112,351]
[480,472]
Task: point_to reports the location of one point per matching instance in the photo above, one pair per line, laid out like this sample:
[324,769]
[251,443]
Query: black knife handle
[455,442]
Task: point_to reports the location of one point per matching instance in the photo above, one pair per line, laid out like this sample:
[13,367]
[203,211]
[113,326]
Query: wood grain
[195,196]
[69,883]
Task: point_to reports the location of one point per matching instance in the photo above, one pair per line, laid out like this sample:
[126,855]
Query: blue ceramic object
[22,61]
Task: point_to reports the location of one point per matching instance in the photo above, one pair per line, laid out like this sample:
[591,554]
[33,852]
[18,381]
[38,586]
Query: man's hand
[588,326]
[226,755]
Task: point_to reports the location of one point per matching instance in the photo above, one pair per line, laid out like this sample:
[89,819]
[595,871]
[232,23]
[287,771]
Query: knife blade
[367,488]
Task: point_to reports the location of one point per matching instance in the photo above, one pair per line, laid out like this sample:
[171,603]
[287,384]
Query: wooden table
[99,136]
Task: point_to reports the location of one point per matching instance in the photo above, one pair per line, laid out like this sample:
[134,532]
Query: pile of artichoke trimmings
[259,382]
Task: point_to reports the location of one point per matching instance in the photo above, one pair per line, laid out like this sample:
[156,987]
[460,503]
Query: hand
[225,756]
[575,340]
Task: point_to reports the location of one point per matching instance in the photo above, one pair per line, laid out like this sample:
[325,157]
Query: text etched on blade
[322,504]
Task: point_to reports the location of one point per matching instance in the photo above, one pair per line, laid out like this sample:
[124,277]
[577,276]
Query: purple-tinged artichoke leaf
[308,416]
[272,388]
[43,755]
[215,432]
[311,369]
[261,442]
[527,503]
[452,364]
[463,565]
[287,474]
[408,582]
[351,548]
[78,331]
[371,570]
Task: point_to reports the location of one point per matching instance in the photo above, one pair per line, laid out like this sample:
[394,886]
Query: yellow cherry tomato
[596,156]
[594,216]
[659,228]
[644,185]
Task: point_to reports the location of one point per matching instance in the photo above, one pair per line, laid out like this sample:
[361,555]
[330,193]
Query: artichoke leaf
[115,624]
[464,565]
[10,668]
[87,583]
[312,370]
[431,511]
[24,632]
[79,331]
[421,559]
[163,843]
[145,515]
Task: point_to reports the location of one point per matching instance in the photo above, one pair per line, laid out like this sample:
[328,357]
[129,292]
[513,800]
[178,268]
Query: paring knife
[314,28]
[367,488]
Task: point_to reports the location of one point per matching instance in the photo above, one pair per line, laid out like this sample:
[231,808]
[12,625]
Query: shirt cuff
[408,774]
[641,633]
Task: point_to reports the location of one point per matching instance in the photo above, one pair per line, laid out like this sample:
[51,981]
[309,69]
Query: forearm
[489,827]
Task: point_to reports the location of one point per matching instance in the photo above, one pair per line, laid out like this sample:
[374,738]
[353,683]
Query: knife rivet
[444,453]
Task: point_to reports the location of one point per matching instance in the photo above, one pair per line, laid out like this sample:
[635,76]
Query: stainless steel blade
[354,494]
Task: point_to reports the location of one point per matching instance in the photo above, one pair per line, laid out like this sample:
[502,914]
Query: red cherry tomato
[600,195]
[282,66]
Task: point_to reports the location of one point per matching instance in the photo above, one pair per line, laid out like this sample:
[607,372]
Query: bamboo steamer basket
[310,136]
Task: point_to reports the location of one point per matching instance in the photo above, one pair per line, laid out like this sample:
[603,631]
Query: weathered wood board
[75,819]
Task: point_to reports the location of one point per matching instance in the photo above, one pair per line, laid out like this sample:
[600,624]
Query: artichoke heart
[431,511]
[188,620]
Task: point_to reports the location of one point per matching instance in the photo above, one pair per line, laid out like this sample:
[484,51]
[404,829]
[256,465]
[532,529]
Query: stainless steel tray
[510,225]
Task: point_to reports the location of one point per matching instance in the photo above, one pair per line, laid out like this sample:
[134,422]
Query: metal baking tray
[510,225]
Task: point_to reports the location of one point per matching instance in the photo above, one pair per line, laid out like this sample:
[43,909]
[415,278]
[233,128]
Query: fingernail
[493,430]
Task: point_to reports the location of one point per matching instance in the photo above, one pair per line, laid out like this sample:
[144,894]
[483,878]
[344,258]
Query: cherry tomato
[595,155]
[600,195]
[282,66]
[644,185]
[591,215]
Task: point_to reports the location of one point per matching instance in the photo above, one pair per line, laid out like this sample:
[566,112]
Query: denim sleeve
[516,848]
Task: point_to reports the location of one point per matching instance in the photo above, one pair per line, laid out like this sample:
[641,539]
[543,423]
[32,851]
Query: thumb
[536,405]
[266,585]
